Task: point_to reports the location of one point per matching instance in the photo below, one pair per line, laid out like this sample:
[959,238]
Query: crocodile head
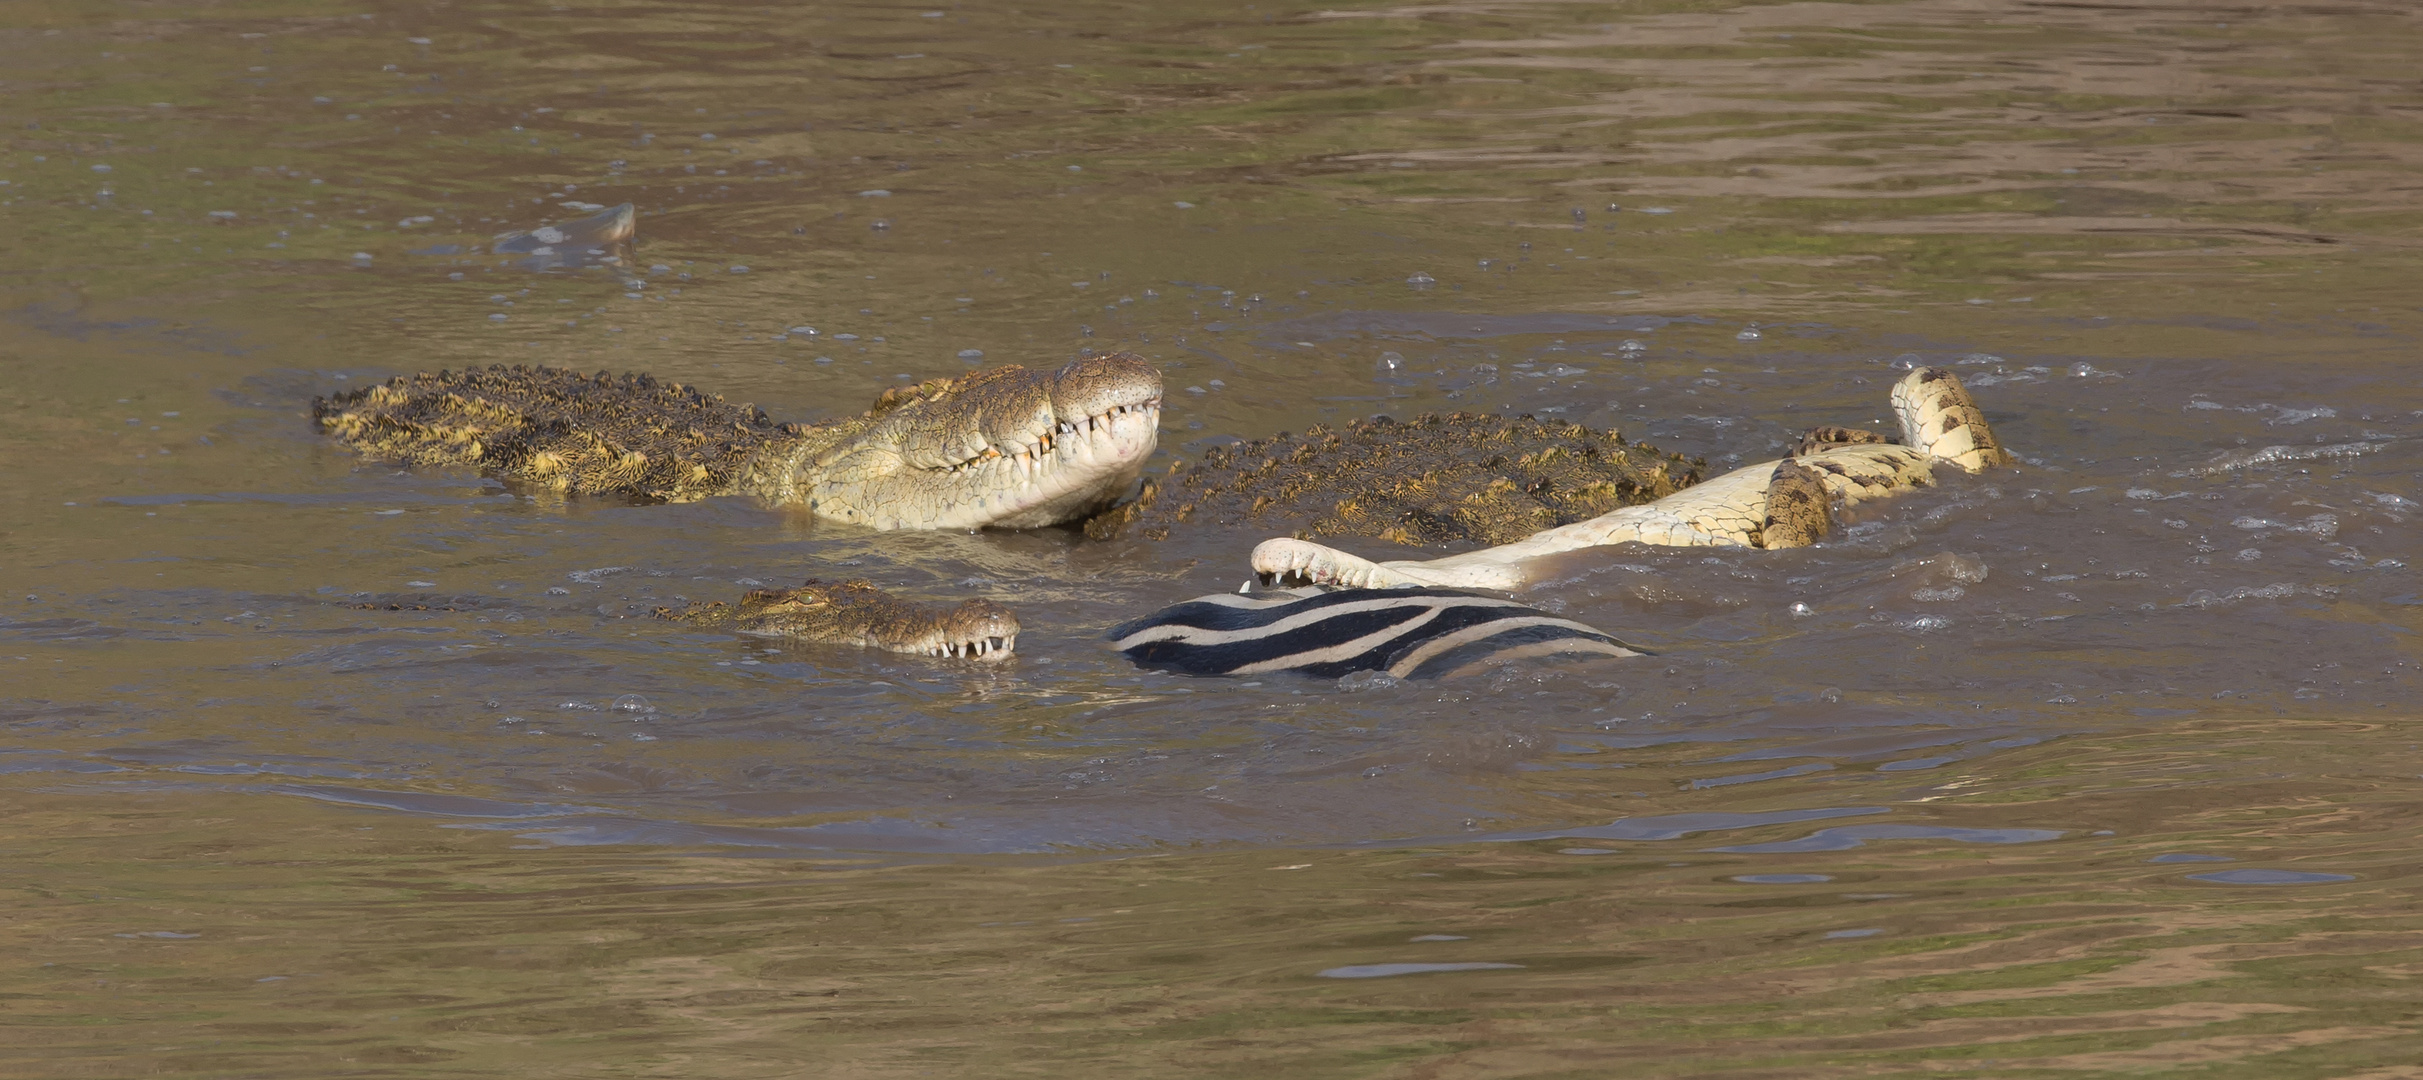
[857,613]
[1010,447]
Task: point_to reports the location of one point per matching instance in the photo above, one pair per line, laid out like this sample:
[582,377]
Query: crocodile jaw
[1079,474]
[1023,449]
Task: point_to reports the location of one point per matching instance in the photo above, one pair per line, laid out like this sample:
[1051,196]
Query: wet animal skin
[1771,504]
[857,613]
[1416,633]
[1460,478]
[1008,447]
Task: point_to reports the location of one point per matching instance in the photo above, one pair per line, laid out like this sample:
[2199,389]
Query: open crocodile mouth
[981,648]
[1040,449]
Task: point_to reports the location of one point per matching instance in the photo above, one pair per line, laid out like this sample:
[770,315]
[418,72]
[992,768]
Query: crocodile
[1772,504]
[857,613]
[1007,447]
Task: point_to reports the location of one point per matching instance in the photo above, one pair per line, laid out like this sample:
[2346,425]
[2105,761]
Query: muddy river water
[2099,764]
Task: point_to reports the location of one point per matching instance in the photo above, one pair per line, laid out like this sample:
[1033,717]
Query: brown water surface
[315,767]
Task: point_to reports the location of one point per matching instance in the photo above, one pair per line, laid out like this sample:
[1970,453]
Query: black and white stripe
[1420,633]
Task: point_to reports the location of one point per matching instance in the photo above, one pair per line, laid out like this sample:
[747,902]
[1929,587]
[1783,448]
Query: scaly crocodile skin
[857,613]
[1009,447]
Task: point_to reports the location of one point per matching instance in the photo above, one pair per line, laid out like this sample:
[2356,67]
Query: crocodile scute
[1437,480]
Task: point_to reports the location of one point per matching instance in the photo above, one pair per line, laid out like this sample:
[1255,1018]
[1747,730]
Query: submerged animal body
[1010,447]
[1771,504]
[1418,619]
[1459,478]
[857,613]
[1415,633]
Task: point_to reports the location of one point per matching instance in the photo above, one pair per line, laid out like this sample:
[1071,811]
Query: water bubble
[1421,280]
[1907,362]
[632,703]
[1749,334]
[1389,363]
[1830,694]
[880,225]
[1580,215]
[1632,347]
[971,354]
[1801,609]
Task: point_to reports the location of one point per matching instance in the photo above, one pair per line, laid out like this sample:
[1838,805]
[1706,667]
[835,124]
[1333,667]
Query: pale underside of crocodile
[1773,504]
[1008,447]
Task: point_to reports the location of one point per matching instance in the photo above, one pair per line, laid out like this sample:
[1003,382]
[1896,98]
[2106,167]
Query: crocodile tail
[1939,416]
[600,434]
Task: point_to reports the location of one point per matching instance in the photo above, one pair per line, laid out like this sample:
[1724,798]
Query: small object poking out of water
[602,237]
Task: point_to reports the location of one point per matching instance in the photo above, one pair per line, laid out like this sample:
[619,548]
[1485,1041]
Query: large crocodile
[1008,447]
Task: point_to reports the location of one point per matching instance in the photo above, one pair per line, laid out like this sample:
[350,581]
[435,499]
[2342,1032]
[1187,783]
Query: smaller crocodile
[858,613]
[1008,447]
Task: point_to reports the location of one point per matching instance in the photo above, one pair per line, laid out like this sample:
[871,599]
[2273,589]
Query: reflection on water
[402,755]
